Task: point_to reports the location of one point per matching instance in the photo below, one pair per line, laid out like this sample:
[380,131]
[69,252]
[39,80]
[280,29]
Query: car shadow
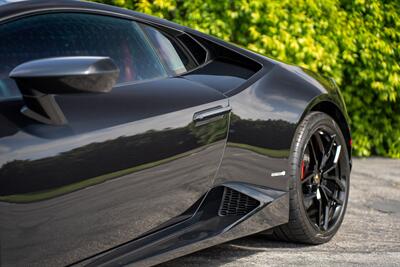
[232,251]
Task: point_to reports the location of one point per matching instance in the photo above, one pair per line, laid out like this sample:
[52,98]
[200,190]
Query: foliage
[357,42]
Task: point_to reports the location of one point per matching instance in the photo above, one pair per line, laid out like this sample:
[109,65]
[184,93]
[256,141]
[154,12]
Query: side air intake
[235,203]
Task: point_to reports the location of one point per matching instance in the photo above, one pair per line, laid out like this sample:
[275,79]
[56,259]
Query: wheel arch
[329,107]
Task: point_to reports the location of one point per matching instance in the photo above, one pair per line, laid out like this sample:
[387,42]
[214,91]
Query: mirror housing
[39,80]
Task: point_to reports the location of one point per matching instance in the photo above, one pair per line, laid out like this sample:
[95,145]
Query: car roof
[15,8]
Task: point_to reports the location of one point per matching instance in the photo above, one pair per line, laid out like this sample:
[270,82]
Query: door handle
[211,114]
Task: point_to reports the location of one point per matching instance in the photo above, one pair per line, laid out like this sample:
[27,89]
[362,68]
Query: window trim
[174,41]
[208,54]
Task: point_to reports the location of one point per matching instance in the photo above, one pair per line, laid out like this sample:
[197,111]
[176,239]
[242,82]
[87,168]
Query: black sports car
[128,139]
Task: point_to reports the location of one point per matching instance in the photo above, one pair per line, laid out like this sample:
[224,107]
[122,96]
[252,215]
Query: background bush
[356,42]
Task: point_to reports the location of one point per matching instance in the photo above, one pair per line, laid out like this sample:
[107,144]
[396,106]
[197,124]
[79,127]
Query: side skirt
[226,212]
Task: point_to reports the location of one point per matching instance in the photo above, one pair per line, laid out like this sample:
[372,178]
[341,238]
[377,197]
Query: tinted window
[170,53]
[73,34]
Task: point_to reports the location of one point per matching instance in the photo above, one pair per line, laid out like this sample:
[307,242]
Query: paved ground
[370,234]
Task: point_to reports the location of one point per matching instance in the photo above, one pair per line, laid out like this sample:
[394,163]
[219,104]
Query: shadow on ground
[369,235]
[231,251]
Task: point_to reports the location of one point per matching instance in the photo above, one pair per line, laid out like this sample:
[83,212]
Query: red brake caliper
[303,170]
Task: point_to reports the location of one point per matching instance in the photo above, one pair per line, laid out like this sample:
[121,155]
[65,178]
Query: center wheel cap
[317,178]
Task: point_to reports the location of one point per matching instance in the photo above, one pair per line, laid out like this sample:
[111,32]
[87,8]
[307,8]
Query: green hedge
[356,42]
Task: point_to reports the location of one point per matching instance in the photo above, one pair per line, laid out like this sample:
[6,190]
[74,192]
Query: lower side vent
[235,203]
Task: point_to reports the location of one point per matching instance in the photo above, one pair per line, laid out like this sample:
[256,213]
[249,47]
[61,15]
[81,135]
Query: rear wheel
[320,176]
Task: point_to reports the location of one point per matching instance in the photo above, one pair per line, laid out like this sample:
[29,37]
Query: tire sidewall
[313,122]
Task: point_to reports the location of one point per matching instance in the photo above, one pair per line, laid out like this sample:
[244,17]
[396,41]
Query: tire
[303,227]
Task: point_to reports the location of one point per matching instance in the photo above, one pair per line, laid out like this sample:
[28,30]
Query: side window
[141,52]
[169,51]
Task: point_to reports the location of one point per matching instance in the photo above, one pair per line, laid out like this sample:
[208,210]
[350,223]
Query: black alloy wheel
[320,179]
[323,186]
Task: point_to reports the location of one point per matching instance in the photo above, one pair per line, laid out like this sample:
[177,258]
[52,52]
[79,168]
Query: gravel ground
[370,233]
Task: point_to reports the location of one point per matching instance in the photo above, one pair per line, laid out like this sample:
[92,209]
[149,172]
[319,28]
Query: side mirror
[39,80]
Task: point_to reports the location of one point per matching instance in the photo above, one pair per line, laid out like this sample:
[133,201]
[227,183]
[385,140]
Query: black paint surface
[132,161]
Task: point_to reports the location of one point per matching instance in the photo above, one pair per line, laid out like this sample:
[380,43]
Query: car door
[126,162]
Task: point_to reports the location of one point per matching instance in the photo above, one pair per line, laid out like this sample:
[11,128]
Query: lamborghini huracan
[126,139]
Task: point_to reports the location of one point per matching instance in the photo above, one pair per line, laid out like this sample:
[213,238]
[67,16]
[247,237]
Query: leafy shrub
[357,42]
